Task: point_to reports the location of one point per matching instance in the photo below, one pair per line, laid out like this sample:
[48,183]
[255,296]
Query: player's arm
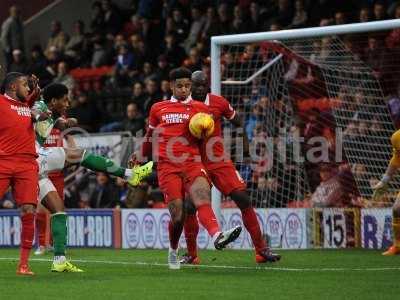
[35,93]
[70,141]
[237,122]
[393,167]
[38,116]
[62,123]
[230,114]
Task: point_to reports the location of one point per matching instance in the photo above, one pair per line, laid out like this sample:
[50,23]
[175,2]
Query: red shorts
[225,177]
[57,178]
[176,179]
[21,174]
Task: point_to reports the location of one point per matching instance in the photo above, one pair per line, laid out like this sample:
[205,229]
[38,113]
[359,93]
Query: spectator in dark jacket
[174,53]
[18,63]
[12,34]
[86,112]
[38,66]
[105,194]
[112,18]
[133,122]
[153,95]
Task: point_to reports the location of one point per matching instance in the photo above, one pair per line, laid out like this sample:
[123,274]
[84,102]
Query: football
[201,125]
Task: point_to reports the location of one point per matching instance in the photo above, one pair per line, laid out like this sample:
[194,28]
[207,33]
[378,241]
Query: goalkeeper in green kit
[49,114]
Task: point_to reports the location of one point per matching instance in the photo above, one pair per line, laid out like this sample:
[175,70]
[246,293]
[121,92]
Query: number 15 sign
[334,224]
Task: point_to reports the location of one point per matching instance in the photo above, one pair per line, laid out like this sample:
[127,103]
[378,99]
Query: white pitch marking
[284,269]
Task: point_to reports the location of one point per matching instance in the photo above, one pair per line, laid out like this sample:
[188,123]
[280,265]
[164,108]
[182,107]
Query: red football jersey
[218,107]
[170,121]
[17,136]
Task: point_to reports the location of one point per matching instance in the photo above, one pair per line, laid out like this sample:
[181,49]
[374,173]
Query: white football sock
[59,259]
[128,173]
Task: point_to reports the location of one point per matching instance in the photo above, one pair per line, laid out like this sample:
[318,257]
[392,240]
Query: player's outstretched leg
[263,252]
[201,197]
[27,235]
[395,248]
[102,164]
[191,229]
[52,201]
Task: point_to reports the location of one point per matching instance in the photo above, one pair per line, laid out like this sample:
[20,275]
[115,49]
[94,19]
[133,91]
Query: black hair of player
[10,79]
[180,73]
[54,90]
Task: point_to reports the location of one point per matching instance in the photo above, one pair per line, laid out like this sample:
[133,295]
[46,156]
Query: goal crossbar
[217,41]
[252,77]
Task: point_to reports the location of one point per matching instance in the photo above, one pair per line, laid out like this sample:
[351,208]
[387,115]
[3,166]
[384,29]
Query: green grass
[300,275]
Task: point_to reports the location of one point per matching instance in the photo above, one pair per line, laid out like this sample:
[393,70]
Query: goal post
[332,75]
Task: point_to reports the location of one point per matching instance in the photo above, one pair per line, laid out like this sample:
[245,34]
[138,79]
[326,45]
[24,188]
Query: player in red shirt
[223,174]
[18,166]
[179,163]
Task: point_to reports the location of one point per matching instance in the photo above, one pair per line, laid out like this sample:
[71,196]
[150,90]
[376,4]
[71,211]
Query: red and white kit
[18,166]
[221,171]
[177,151]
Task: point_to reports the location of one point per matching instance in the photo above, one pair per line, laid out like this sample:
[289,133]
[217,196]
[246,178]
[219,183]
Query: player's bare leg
[175,228]
[395,248]
[55,205]
[27,235]
[249,217]
[201,196]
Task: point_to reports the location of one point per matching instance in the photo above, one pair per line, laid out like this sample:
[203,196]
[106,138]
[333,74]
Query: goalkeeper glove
[380,188]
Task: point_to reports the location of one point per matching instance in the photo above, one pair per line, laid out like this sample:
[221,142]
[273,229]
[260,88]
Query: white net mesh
[315,88]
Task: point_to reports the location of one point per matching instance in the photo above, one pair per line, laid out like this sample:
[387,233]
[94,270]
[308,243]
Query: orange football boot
[393,250]
[24,270]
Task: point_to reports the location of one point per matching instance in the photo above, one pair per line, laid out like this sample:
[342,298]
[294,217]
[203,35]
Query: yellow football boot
[65,267]
[139,173]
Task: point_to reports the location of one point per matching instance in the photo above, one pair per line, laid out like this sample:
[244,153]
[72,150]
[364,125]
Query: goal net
[316,113]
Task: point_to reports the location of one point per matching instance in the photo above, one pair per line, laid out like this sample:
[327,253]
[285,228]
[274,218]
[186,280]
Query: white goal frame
[218,41]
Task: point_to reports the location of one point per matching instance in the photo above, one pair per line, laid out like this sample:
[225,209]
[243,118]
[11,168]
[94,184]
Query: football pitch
[143,274]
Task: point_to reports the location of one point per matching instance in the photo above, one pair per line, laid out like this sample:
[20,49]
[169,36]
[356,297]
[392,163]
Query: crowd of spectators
[117,66]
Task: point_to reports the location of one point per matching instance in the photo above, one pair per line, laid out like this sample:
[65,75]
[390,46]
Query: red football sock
[251,223]
[27,235]
[175,232]
[191,228]
[41,224]
[207,219]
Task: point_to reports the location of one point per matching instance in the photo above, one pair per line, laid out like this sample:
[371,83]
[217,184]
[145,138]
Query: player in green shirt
[54,105]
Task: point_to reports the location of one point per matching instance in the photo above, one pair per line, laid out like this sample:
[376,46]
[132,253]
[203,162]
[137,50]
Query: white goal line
[261,268]
[251,78]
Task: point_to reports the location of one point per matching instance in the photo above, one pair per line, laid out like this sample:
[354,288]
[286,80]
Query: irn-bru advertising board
[96,228]
[148,228]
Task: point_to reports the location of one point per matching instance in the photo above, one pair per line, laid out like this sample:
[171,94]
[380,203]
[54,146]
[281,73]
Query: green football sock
[102,164]
[59,233]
